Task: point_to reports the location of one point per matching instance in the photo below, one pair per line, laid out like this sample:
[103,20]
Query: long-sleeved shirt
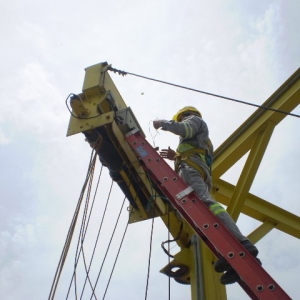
[192,130]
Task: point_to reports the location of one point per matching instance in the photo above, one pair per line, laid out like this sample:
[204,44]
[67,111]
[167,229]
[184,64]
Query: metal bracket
[183,193]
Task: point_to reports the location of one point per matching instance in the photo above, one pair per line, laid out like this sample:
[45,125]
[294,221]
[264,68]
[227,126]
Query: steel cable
[84,230]
[93,290]
[117,256]
[123,73]
[81,236]
[71,230]
[97,239]
[149,258]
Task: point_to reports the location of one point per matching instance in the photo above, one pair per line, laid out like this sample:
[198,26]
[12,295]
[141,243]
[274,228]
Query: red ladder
[256,282]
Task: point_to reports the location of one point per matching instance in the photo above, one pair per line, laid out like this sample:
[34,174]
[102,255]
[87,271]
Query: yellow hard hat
[185,110]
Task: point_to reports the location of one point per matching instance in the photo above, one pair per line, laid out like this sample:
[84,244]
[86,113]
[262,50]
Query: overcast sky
[239,49]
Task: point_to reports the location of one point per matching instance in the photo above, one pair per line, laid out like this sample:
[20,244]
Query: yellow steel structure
[253,137]
[99,105]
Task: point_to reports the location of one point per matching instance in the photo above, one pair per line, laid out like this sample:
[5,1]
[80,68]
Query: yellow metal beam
[286,98]
[213,289]
[249,171]
[261,231]
[261,210]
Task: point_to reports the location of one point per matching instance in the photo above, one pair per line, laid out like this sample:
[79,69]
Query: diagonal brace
[249,171]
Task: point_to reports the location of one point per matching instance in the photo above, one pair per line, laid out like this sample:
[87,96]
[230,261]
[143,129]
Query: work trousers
[203,188]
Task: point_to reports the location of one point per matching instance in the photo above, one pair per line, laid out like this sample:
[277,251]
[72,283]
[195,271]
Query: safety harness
[183,153]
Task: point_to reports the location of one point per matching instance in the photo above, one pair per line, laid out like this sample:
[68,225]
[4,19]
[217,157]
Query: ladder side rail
[250,293]
[212,247]
[256,280]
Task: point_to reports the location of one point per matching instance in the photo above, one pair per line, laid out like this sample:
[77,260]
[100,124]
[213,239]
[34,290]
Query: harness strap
[185,158]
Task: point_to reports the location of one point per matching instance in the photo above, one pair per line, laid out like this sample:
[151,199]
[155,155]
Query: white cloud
[33,37]
[4,139]
[240,50]
[35,106]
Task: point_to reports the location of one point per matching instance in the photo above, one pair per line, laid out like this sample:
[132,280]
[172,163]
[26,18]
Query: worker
[193,160]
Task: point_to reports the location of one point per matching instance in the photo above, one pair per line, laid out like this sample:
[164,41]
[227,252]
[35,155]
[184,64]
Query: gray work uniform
[193,131]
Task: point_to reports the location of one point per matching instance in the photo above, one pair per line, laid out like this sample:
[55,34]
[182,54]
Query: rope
[151,135]
[71,230]
[169,259]
[149,258]
[93,289]
[71,113]
[81,248]
[170,241]
[123,73]
[96,243]
[83,255]
[83,228]
[117,256]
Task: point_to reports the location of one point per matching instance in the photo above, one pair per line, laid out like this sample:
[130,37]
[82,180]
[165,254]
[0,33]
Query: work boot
[222,265]
[231,276]
[95,140]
